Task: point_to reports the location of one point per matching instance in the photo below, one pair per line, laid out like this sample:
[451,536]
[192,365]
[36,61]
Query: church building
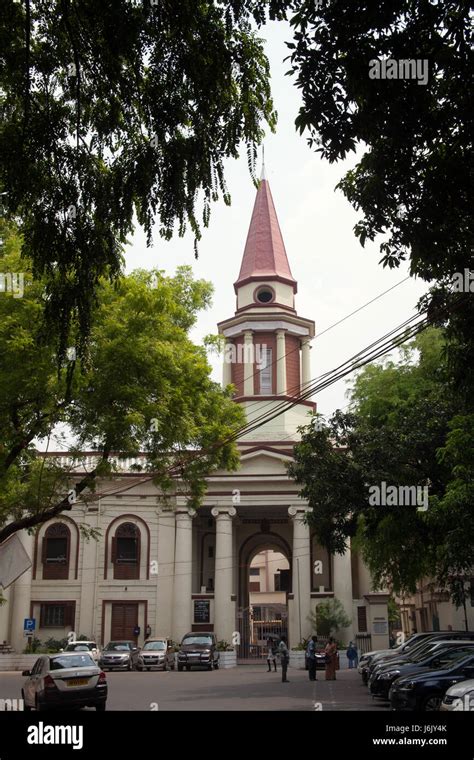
[245,564]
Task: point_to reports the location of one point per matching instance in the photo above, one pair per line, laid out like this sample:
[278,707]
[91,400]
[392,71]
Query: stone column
[227,364]
[165,558]
[342,586]
[183,569]
[5,614]
[305,363]
[300,627]
[22,598]
[281,363]
[224,607]
[249,368]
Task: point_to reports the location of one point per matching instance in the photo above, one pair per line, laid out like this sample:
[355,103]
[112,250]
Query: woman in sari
[331,659]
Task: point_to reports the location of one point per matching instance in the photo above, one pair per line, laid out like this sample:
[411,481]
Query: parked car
[440,656]
[84,646]
[459,697]
[66,679]
[198,649]
[119,655]
[366,657]
[426,690]
[156,653]
[421,646]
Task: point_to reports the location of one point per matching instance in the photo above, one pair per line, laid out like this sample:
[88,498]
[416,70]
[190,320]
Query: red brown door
[124,620]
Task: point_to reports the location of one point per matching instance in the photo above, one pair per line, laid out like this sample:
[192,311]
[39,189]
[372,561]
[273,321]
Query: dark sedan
[426,690]
[441,657]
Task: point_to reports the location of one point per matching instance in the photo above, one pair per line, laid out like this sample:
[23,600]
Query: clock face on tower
[265,294]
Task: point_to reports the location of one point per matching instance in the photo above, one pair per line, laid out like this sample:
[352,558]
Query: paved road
[247,687]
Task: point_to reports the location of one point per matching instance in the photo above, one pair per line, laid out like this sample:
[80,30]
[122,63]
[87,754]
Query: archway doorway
[264,584]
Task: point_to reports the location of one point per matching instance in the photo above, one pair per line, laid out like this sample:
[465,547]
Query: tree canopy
[111,108]
[408,428]
[143,387]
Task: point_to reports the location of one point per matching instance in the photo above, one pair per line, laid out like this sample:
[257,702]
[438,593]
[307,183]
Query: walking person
[284,659]
[352,656]
[311,655]
[271,655]
[330,652]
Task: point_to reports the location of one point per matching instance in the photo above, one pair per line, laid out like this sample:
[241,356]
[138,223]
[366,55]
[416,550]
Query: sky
[335,274]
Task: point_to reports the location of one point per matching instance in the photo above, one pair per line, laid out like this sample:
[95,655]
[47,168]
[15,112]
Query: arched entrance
[264,583]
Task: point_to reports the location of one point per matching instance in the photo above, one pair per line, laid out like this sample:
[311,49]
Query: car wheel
[216,665]
[130,666]
[209,667]
[180,668]
[165,666]
[39,707]
[26,707]
[432,704]
[100,706]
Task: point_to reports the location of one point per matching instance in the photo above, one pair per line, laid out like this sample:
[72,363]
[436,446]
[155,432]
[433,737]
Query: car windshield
[118,646]
[78,661]
[80,647]
[155,645]
[203,640]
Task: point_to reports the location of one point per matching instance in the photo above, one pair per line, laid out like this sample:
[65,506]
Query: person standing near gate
[271,655]
[331,659]
[311,655]
[284,659]
[352,655]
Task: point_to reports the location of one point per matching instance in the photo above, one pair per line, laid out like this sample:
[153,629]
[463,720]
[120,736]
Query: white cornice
[266,326]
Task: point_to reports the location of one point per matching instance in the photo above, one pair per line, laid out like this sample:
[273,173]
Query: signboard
[14,561]
[202,611]
[29,626]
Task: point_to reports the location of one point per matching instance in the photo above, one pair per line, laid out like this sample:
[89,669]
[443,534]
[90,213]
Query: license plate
[77,681]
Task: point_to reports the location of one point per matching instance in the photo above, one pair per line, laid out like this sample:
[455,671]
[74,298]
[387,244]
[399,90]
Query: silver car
[156,653]
[119,655]
[66,679]
[459,697]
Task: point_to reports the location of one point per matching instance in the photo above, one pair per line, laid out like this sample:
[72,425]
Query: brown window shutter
[114,549]
[44,547]
[69,610]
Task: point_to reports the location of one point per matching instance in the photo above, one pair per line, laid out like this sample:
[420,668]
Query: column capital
[223,512]
[185,512]
[295,511]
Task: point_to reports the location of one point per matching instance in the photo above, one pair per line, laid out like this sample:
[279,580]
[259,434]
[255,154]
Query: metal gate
[254,634]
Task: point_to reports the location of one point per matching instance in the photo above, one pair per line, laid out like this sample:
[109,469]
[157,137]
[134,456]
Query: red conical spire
[264,254]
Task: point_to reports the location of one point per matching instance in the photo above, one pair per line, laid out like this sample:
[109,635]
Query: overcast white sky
[335,274]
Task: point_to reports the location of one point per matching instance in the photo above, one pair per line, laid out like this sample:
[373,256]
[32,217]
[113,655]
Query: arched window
[55,552]
[126,552]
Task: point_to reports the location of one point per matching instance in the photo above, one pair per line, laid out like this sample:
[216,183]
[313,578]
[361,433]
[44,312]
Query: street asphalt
[247,687]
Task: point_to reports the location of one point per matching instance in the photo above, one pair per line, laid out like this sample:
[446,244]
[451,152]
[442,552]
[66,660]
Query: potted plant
[227,654]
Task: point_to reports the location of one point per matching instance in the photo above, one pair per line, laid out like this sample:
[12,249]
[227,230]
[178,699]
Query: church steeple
[265,254]
[267,343]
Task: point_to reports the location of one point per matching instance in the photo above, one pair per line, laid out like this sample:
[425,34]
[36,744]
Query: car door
[29,685]
[36,678]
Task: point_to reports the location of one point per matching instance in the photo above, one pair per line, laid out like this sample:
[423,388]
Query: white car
[84,646]
[66,679]
[459,698]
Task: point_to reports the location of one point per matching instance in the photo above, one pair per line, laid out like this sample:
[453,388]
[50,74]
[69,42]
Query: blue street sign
[29,625]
